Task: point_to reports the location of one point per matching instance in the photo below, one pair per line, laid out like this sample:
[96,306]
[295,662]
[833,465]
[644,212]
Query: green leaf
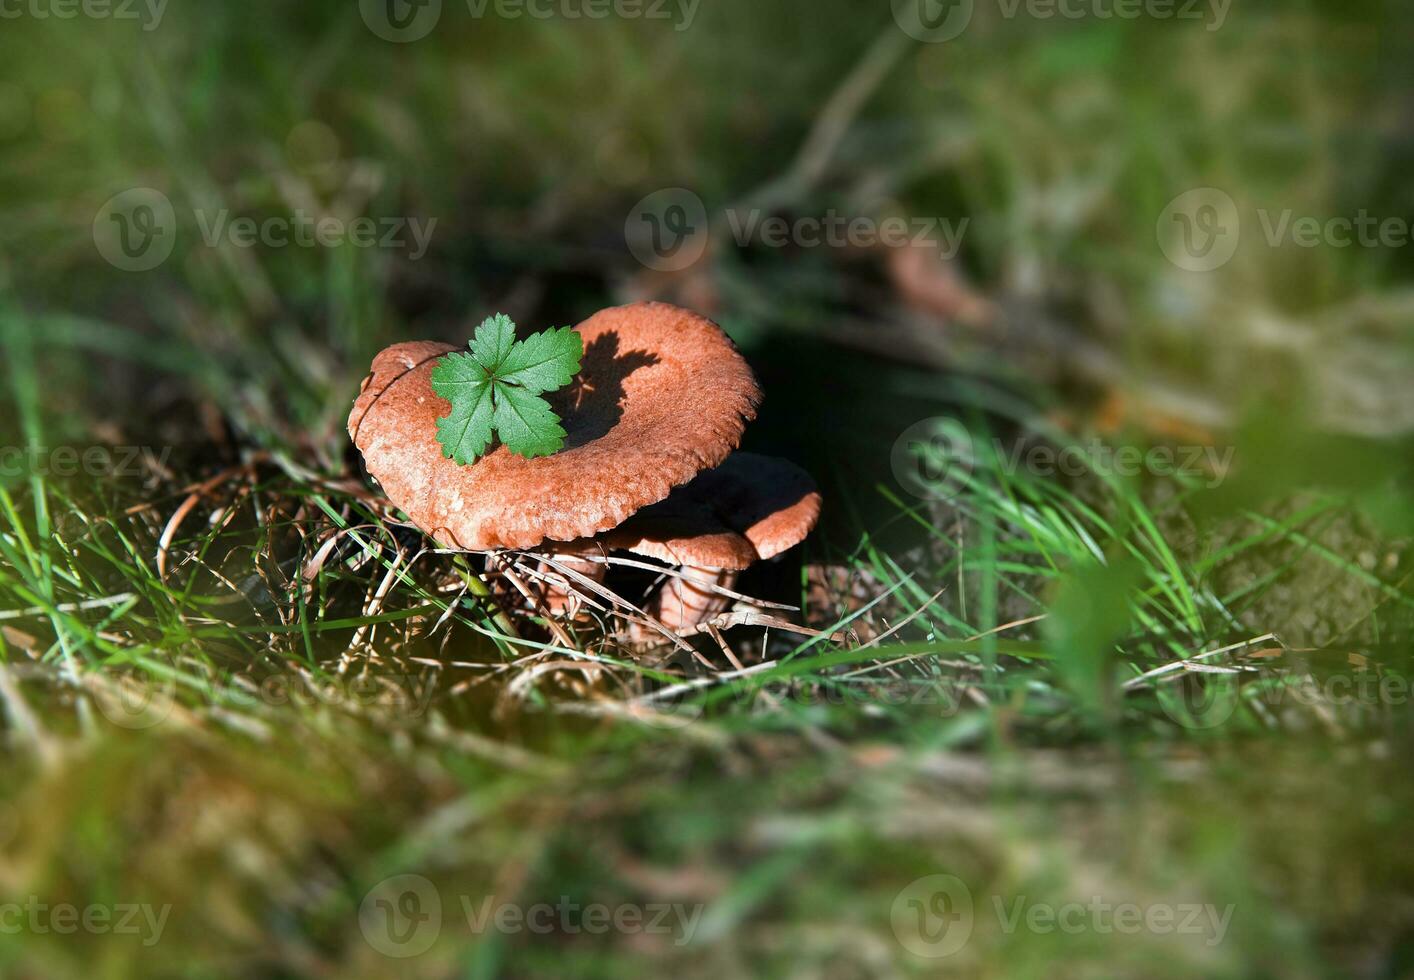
[493,341]
[456,371]
[494,389]
[526,423]
[465,433]
[544,362]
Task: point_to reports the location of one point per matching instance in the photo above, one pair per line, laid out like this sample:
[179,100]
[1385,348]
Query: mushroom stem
[690,599]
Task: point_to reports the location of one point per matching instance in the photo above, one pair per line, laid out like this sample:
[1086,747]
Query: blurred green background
[1144,258]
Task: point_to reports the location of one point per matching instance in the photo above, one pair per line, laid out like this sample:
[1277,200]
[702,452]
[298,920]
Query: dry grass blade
[1191,663]
[169,532]
[508,567]
[732,618]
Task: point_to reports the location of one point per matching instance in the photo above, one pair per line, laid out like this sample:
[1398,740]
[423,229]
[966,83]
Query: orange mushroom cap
[662,395]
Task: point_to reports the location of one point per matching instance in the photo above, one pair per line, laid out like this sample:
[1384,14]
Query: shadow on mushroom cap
[593,404]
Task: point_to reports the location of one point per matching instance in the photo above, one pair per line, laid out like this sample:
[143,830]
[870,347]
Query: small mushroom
[751,507]
[661,400]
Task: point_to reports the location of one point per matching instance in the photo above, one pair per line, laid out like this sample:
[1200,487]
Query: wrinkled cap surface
[662,395]
[750,507]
